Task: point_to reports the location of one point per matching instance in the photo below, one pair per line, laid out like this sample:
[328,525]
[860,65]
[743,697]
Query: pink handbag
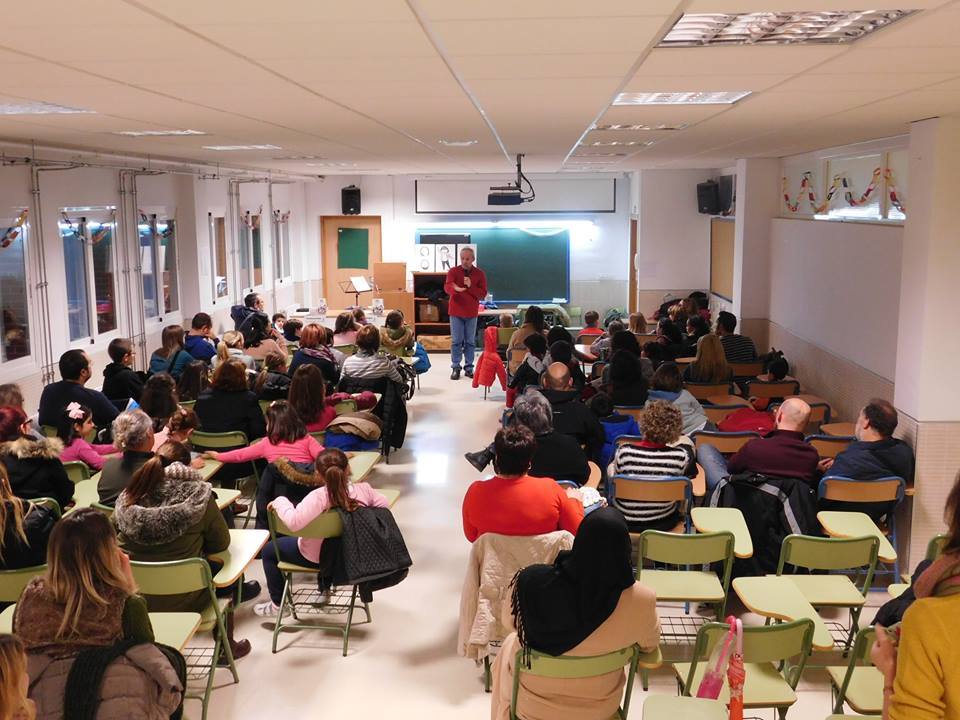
[712,682]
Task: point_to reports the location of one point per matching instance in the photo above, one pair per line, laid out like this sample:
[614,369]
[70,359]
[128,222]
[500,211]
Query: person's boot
[455,374]
[468,372]
[239,648]
[480,459]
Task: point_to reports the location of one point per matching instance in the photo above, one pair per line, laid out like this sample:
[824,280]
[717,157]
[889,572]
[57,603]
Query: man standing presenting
[467,286]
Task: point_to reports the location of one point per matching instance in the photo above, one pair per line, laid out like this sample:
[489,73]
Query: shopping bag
[736,675]
[712,682]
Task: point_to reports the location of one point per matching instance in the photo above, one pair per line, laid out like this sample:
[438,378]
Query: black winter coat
[38,522]
[35,469]
[121,382]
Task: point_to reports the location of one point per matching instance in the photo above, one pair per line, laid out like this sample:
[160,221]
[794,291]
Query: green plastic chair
[304,601]
[187,404]
[320,436]
[12,582]
[504,335]
[859,684]
[346,349]
[186,576]
[832,554]
[345,406]
[77,471]
[765,648]
[669,707]
[264,404]
[49,504]
[531,662]
[51,432]
[227,441]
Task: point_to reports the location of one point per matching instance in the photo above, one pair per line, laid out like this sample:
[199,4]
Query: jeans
[714,466]
[285,549]
[463,341]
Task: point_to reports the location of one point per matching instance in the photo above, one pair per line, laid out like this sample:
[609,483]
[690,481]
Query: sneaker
[455,374]
[479,460]
[468,372]
[266,609]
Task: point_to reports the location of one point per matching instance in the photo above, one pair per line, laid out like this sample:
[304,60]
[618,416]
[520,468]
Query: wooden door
[633,290]
[332,273]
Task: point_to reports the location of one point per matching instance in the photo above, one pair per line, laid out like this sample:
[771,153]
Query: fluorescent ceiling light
[298,157]
[331,163]
[726,97]
[157,133]
[641,126]
[778,28]
[457,143]
[226,148]
[616,143]
[40,108]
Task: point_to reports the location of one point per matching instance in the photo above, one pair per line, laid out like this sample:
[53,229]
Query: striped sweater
[738,348]
[647,459]
[371,366]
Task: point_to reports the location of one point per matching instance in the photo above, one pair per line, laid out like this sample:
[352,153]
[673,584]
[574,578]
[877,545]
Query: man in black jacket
[120,380]
[75,370]
[570,416]
[252,321]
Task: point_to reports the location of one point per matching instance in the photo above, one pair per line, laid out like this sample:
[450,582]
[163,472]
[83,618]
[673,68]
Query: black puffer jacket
[121,382]
[35,469]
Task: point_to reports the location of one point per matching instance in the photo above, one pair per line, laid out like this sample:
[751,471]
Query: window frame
[248,273]
[153,217]
[212,219]
[14,370]
[283,272]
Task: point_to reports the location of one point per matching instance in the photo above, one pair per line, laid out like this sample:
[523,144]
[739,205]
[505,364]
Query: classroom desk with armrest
[585,350]
[718,519]
[85,493]
[671,707]
[842,524]
[728,400]
[209,469]
[842,429]
[778,597]
[244,546]
[362,463]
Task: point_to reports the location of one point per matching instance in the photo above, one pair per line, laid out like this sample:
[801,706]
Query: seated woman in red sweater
[286,438]
[514,503]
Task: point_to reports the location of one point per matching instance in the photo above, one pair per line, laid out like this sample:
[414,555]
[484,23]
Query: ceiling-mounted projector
[513,193]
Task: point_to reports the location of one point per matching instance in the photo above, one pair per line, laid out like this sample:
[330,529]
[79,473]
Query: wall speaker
[708,198]
[350,200]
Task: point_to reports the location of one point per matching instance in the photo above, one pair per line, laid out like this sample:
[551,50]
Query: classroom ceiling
[378,86]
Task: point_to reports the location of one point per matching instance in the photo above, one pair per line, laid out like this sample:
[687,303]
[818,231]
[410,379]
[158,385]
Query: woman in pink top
[333,471]
[286,438]
[75,424]
[345,330]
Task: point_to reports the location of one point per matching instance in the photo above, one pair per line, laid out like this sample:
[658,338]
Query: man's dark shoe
[455,374]
[468,372]
[480,459]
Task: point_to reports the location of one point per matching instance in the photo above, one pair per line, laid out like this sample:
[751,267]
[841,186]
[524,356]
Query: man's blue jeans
[714,466]
[463,341]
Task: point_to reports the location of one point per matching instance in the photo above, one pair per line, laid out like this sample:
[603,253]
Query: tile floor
[405,664]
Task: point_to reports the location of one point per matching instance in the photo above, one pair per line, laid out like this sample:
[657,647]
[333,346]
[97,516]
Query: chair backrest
[568,668]
[653,489]
[780,388]
[634,411]
[346,349]
[725,442]
[700,549]
[935,546]
[216,441]
[172,578]
[504,335]
[48,431]
[859,655]
[588,339]
[264,404]
[319,436]
[718,413]
[829,446]
[345,406]
[749,369]
[761,644]
[701,391]
[844,489]
[77,471]
[12,582]
[819,414]
[187,404]
[326,525]
[819,553]
[49,503]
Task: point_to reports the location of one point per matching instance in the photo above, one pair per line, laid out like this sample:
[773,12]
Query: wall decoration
[446,257]
[13,232]
[841,185]
[423,257]
[353,248]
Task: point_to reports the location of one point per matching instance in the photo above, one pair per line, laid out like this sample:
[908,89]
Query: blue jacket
[874,460]
[173,365]
[613,427]
[200,347]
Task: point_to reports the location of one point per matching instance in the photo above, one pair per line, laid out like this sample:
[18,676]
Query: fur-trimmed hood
[299,473]
[26,448]
[176,504]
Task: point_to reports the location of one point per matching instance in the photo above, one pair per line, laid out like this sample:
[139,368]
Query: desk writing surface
[226,497]
[390,493]
[717,519]
[174,628]
[728,400]
[841,429]
[779,597]
[842,524]
[244,546]
[85,492]
[362,463]
[585,350]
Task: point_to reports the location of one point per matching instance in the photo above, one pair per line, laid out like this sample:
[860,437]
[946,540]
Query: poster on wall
[446,257]
[423,258]
[472,246]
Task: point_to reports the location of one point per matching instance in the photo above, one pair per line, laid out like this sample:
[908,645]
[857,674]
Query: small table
[671,707]
[728,400]
[244,546]
[684,360]
[174,628]
[391,494]
[717,519]
[226,497]
[840,429]
[840,524]
[778,597]
[362,463]
[85,492]
[585,350]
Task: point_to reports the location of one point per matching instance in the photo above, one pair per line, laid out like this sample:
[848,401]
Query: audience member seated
[655,354]
[614,425]
[159,399]
[252,322]
[200,342]
[272,382]
[395,336]
[231,347]
[33,466]
[677,314]
[697,328]
[308,397]
[73,429]
[368,363]
[513,502]
[562,352]
[86,600]
[15,680]
[278,320]
[178,429]
[591,324]
[120,381]
[287,437]
[331,478]
[586,603]
[133,435]
[570,416]
[601,346]
[668,386]
[359,317]
[783,453]
[557,456]
[24,528]
[777,371]
[921,667]
[193,380]
[626,382]
[637,323]
[228,405]
[670,338]
[345,330]
[710,365]
[75,369]
[170,357]
[312,351]
[659,454]
[292,329]
[737,348]
[534,323]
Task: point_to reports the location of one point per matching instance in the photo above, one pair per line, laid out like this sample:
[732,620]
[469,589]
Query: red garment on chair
[490,367]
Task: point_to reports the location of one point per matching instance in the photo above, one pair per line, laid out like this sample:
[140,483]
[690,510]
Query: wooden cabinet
[432,320]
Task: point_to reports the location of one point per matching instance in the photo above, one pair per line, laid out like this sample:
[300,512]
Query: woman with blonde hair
[24,529]
[231,346]
[710,365]
[14,681]
[638,323]
[170,357]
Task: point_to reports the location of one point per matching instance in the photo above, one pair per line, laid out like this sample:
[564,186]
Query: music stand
[356,285]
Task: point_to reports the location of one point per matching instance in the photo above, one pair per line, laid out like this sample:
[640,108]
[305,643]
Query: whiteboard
[454,197]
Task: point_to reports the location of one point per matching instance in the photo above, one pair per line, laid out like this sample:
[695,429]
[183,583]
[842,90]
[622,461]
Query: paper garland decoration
[840,183]
[281,218]
[95,237]
[13,232]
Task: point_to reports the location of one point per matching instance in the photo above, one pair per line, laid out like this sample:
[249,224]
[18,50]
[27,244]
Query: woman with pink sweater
[76,423]
[332,473]
[286,438]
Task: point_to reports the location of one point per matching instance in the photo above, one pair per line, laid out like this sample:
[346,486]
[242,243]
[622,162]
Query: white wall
[837,285]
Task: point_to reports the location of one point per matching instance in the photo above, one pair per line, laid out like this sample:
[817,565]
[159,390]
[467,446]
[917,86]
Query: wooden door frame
[633,291]
[332,294]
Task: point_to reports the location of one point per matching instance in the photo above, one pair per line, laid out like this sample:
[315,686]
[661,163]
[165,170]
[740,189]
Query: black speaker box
[350,200]
[708,198]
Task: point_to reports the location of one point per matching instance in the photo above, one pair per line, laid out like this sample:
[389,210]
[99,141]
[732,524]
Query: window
[14,318]
[88,255]
[251,257]
[158,263]
[218,250]
[281,234]
[255,237]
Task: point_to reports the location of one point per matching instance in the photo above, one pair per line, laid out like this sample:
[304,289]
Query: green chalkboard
[522,265]
[353,248]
